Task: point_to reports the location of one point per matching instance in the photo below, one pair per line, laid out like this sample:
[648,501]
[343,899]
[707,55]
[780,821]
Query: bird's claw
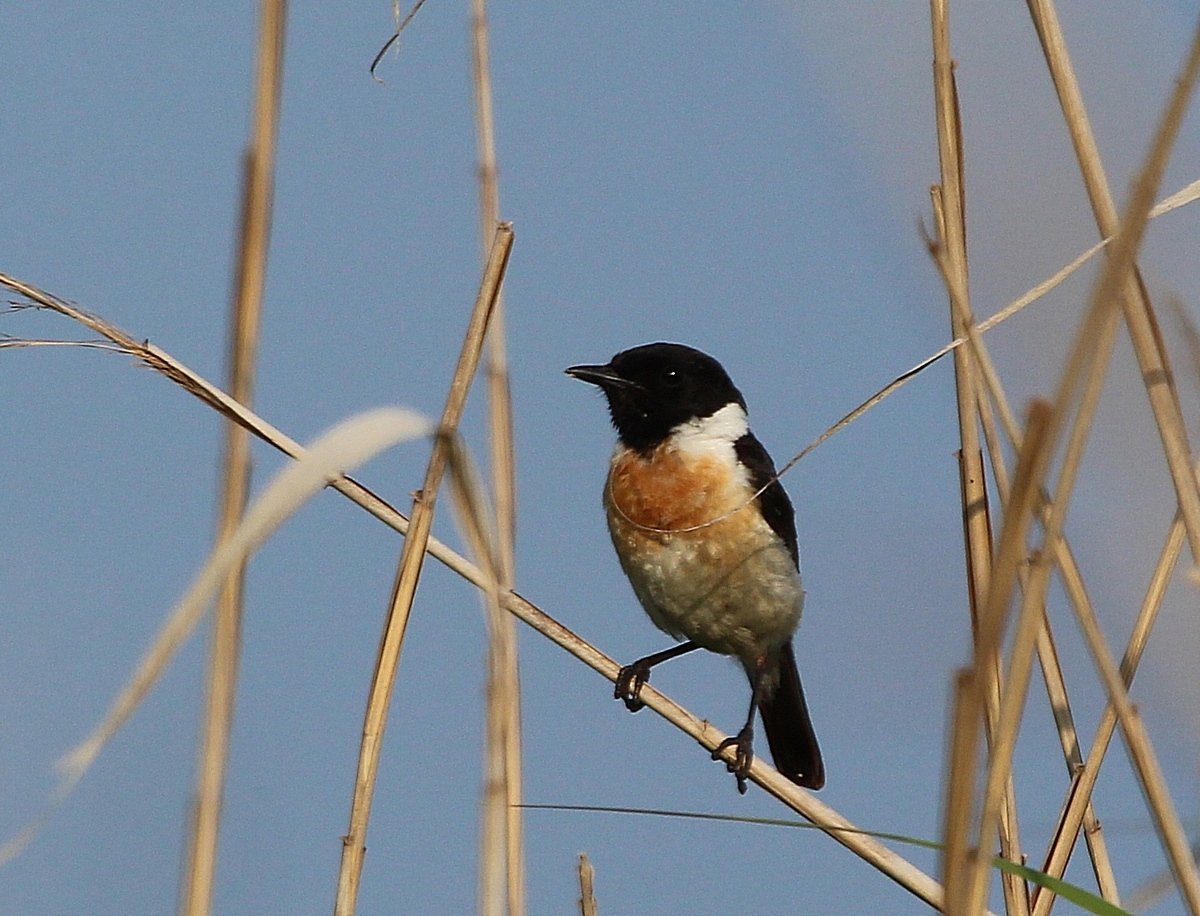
[630,681]
[743,741]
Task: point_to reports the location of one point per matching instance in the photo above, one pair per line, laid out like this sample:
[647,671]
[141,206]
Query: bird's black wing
[774,504]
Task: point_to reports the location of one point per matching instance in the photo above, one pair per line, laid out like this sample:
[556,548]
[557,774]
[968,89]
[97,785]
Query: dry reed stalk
[502,795]
[950,217]
[258,181]
[480,534]
[1064,721]
[1087,359]
[1113,281]
[978,542]
[1121,710]
[1045,649]
[587,887]
[412,556]
[1063,556]
[1153,362]
[1052,675]
[871,851]
[962,754]
[1139,314]
[15,343]
[1145,766]
[1073,815]
[990,386]
[494,894]
[1010,554]
[1068,736]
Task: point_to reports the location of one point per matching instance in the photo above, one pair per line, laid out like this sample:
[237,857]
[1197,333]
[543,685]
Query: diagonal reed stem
[412,556]
[1088,359]
[1010,554]
[839,828]
[1073,815]
[1135,302]
[1152,360]
[990,388]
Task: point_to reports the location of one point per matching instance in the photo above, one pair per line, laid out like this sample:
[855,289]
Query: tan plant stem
[1052,674]
[951,221]
[1010,554]
[1074,814]
[1135,302]
[258,183]
[408,573]
[1088,359]
[587,887]
[961,763]
[502,866]
[1121,281]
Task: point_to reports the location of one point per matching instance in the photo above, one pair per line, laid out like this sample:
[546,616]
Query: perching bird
[707,536]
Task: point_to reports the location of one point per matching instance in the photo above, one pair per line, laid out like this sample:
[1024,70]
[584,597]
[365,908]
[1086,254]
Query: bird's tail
[789,729]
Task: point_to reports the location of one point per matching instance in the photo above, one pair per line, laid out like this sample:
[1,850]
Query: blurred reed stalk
[1115,286]
[257,192]
[1152,359]
[1078,395]
[412,557]
[1139,315]
[501,865]
[950,217]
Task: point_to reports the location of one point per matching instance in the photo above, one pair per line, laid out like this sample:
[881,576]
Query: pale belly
[731,587]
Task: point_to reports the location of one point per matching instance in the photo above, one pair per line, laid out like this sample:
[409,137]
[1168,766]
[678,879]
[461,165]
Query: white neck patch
[712,435]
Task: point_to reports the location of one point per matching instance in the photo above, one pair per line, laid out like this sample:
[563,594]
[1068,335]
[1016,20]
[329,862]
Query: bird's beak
[604,376]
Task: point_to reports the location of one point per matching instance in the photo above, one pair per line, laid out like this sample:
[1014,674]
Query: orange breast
[728,583]
[671,492]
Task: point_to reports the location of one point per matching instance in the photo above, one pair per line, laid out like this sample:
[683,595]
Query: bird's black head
[653,388]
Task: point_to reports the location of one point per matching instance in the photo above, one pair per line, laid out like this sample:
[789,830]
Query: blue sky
[748,182]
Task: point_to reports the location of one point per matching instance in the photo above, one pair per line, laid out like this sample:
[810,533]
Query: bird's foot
[630,681]
[743,741]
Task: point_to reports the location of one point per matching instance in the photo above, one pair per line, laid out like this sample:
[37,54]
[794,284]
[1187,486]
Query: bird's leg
[631,678]
[743,741]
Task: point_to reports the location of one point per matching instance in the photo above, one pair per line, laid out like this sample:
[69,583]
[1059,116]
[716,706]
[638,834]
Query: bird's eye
[671,378]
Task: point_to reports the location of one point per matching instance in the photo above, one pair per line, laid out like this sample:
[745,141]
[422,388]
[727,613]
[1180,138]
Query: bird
[706,535]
